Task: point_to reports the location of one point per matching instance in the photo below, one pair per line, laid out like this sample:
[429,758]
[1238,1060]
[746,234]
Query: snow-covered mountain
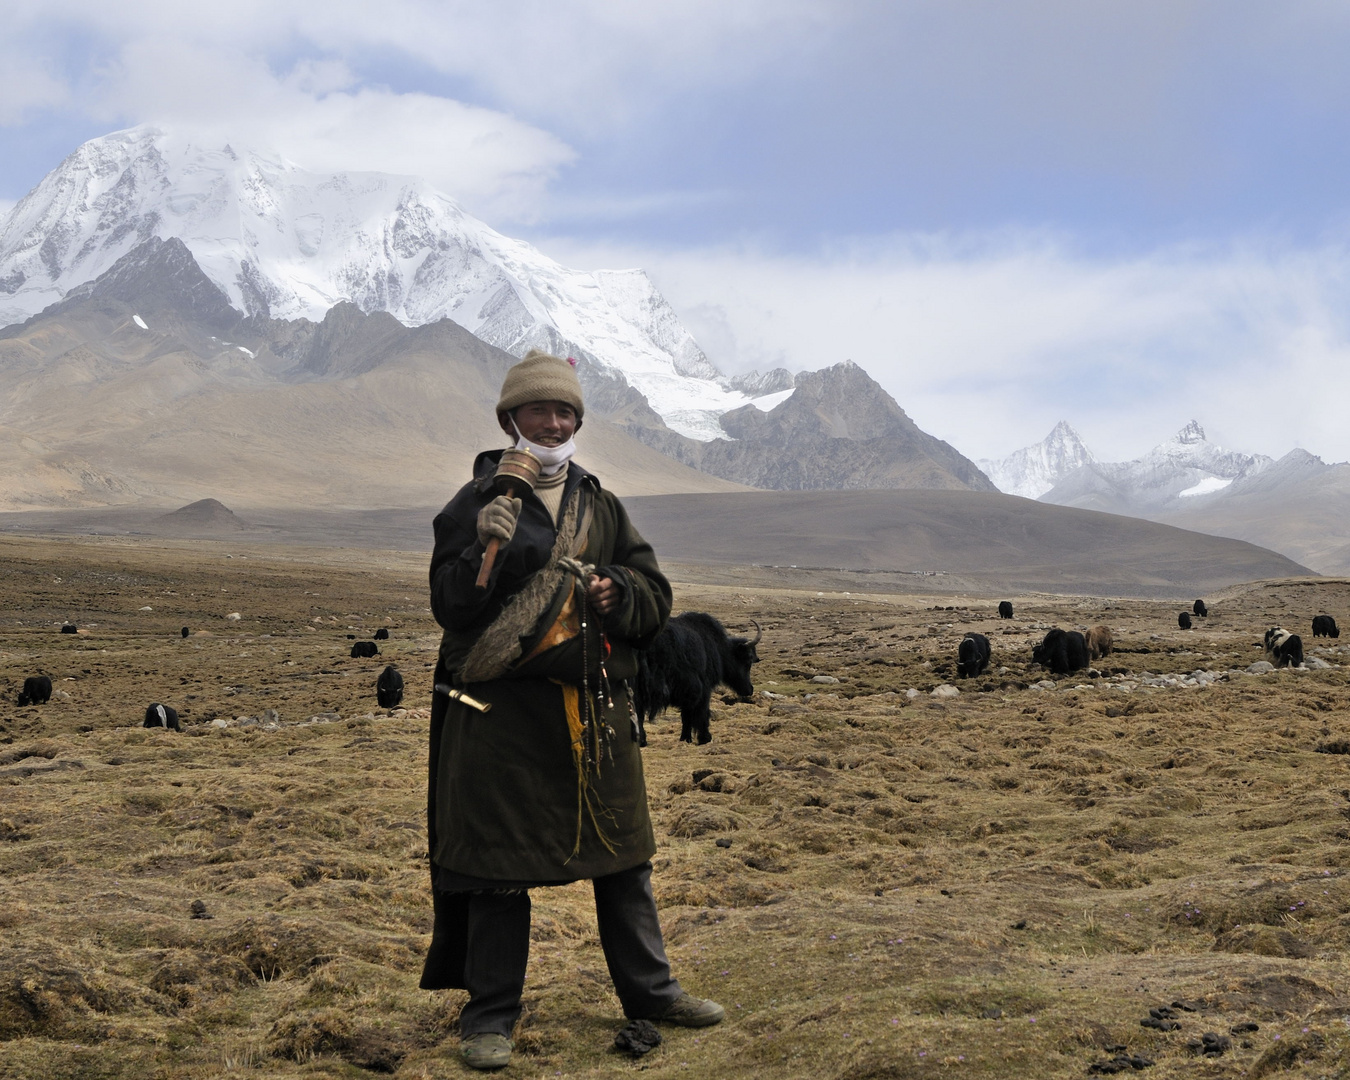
[1187,466]
[288,243]
[1034,470]
[1299,506]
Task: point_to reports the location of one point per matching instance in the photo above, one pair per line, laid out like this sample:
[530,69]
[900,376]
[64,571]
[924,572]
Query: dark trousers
[498,948]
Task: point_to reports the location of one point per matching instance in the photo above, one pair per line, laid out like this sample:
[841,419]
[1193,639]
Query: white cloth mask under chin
[553,457]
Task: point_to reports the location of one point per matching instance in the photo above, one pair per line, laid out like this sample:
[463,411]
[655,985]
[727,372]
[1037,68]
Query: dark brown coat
[503,786]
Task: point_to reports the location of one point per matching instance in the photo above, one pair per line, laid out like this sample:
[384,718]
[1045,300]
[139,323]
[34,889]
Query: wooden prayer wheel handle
[490,555]
[516,467]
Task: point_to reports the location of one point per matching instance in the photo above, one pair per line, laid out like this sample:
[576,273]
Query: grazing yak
[382,634]
[70,628]
[1061,652]
[972,656]
[1184,620]
[185,631]
[1005,609]
[1325,626]
[365,650]
[682,667]
[1198,608]
[1099,642]
[1283,649]
[37,690]
[162,716]
[389,688]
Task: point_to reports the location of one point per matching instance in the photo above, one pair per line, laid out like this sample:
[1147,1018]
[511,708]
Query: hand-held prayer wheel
[517,470]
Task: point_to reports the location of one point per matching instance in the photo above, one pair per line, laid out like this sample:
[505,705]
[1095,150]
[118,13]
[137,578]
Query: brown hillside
[982,542]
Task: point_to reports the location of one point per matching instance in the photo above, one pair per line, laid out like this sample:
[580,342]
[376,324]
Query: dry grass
[996,884]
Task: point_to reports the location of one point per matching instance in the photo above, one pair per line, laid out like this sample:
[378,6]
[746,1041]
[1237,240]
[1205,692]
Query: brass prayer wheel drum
[517,470]
[517,467]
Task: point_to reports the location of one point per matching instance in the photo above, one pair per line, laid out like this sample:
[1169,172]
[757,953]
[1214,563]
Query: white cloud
[294,76]
[979,102]
[987,343]
[26,85]
[589,60]
[318,117]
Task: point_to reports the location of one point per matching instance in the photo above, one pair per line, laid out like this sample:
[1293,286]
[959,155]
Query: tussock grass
[1000,883]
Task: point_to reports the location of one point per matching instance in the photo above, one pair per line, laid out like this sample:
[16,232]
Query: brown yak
[1099,642]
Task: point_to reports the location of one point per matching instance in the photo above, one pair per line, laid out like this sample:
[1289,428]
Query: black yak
[162,716]
[37,690]
[682,667]
[1325,626]
[389,688]
[1061,651]
[972,655]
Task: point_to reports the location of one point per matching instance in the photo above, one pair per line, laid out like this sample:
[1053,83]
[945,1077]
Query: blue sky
[1121,214]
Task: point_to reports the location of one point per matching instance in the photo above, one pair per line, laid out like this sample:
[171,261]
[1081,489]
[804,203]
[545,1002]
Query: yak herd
[694,654]
[37,689]
[1063,651]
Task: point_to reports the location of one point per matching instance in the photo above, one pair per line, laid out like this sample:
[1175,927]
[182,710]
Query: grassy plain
[1000,883]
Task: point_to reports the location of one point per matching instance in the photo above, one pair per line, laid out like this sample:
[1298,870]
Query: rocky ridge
[154,348]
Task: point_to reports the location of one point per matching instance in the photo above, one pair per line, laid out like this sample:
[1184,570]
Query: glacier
[284,242]
[1207,486]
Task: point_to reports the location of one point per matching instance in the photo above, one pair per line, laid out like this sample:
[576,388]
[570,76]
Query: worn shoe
[486,1050]
[689,1011]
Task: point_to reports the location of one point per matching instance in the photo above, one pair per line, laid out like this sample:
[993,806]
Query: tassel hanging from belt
[583,721]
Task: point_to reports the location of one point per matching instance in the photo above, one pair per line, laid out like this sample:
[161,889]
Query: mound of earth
[204,514]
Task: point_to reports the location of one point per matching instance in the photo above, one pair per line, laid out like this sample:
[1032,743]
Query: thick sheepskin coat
[503,785]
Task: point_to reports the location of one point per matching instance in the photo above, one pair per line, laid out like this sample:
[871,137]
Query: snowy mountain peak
[1034,470]
[1185,467]
[1191,434]
[281,241]
[1190,451]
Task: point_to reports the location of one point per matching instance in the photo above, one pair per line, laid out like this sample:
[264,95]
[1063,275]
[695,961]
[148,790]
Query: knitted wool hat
[541,377]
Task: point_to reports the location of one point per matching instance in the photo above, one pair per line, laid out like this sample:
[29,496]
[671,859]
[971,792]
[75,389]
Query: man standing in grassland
[546,787]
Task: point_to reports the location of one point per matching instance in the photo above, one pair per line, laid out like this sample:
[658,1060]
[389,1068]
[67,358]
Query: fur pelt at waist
[500,645]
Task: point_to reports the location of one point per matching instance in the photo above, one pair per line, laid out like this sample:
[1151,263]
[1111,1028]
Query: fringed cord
[585,751]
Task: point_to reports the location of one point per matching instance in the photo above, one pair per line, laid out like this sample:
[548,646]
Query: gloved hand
[498,518]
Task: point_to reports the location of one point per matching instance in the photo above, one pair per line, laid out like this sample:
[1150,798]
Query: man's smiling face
[548,423]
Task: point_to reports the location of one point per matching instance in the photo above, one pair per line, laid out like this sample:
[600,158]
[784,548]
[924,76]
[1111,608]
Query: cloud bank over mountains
[988,342]
[1133,124]
[1125,214]
[483,101]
